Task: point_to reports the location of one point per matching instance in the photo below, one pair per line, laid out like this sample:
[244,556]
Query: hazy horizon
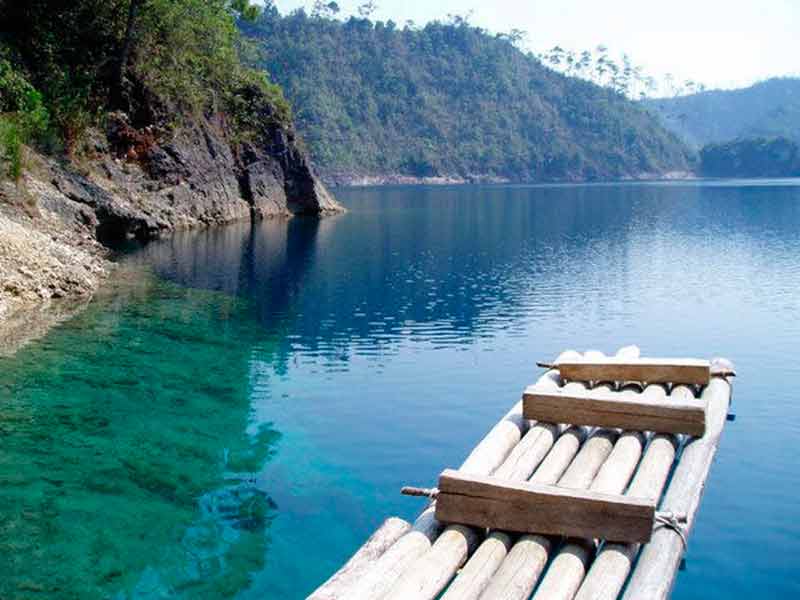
[723,45]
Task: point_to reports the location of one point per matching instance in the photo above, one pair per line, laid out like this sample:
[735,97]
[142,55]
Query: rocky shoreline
[58,223]
[349,179]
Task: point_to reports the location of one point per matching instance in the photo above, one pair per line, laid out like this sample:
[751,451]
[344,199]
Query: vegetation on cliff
[760,157]
[764,110]
[65,65]
[450,99]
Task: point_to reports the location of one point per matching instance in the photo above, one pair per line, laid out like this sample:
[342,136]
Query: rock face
[46,257]
[142,180]
[144,185]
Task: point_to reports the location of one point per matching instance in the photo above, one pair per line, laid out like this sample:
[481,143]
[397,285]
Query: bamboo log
[612,565]
[531,450]
[476,574]
[519,571]
[386,535]
[433,570]
[525,457]
[567,570]
[658,563]
[394,562]
[480,567]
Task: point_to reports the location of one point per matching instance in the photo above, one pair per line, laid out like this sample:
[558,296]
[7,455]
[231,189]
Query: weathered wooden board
[651,370]
[546,509]
[614,409]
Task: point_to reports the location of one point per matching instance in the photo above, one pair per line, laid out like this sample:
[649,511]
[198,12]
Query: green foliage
[11,148]
[450,99]
[24,120]
[156,59]
[187,52]
[245,10]
[767,109]
[760,157]
[16,93]
[257,103]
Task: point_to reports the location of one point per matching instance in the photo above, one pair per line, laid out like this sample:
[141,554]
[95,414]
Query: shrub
[24,120]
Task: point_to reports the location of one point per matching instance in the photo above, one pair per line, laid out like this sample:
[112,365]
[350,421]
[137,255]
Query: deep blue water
[238,416]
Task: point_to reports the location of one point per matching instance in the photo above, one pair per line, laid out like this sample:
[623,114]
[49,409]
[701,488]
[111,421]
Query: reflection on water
[239,424]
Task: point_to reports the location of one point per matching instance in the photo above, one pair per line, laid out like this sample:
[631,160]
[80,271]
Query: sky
[720,43]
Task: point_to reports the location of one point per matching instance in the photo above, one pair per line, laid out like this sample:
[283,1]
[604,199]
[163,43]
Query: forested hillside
[759,157]
[767,109]
[451,100]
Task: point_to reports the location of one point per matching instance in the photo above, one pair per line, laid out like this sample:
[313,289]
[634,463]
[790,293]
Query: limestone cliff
[143,178]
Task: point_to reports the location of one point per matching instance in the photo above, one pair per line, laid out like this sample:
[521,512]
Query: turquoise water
[236,416]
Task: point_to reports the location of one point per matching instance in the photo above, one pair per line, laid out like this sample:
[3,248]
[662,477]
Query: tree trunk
[125,51]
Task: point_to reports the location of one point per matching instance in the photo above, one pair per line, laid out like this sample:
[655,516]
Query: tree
[515,37]
[125,51]
[242,9]
[245,9]
[365,10]
[325,10]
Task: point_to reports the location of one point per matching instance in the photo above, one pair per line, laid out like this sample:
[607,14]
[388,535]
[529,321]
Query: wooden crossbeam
[612,409]
[651,370]
[528,507]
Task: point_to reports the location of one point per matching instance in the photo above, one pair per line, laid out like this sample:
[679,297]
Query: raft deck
[456,561]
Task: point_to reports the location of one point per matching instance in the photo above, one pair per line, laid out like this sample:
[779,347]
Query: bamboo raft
[588,488]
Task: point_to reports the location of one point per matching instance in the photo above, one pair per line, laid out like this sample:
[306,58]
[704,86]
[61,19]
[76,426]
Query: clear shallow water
[235,421]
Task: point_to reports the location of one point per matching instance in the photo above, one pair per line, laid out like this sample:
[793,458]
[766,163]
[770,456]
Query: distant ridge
[452,102]
[764,110]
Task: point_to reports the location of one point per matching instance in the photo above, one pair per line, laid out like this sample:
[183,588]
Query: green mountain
[759,157]
[451,100]
[765,110]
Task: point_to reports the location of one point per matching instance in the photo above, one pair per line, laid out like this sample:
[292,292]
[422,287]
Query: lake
[238,411]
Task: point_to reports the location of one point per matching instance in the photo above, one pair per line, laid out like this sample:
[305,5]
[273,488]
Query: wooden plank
[615,409]
[658,562]
[650,370]
[546,509]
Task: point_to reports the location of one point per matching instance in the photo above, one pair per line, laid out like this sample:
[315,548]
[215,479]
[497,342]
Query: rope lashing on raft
[675,522]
